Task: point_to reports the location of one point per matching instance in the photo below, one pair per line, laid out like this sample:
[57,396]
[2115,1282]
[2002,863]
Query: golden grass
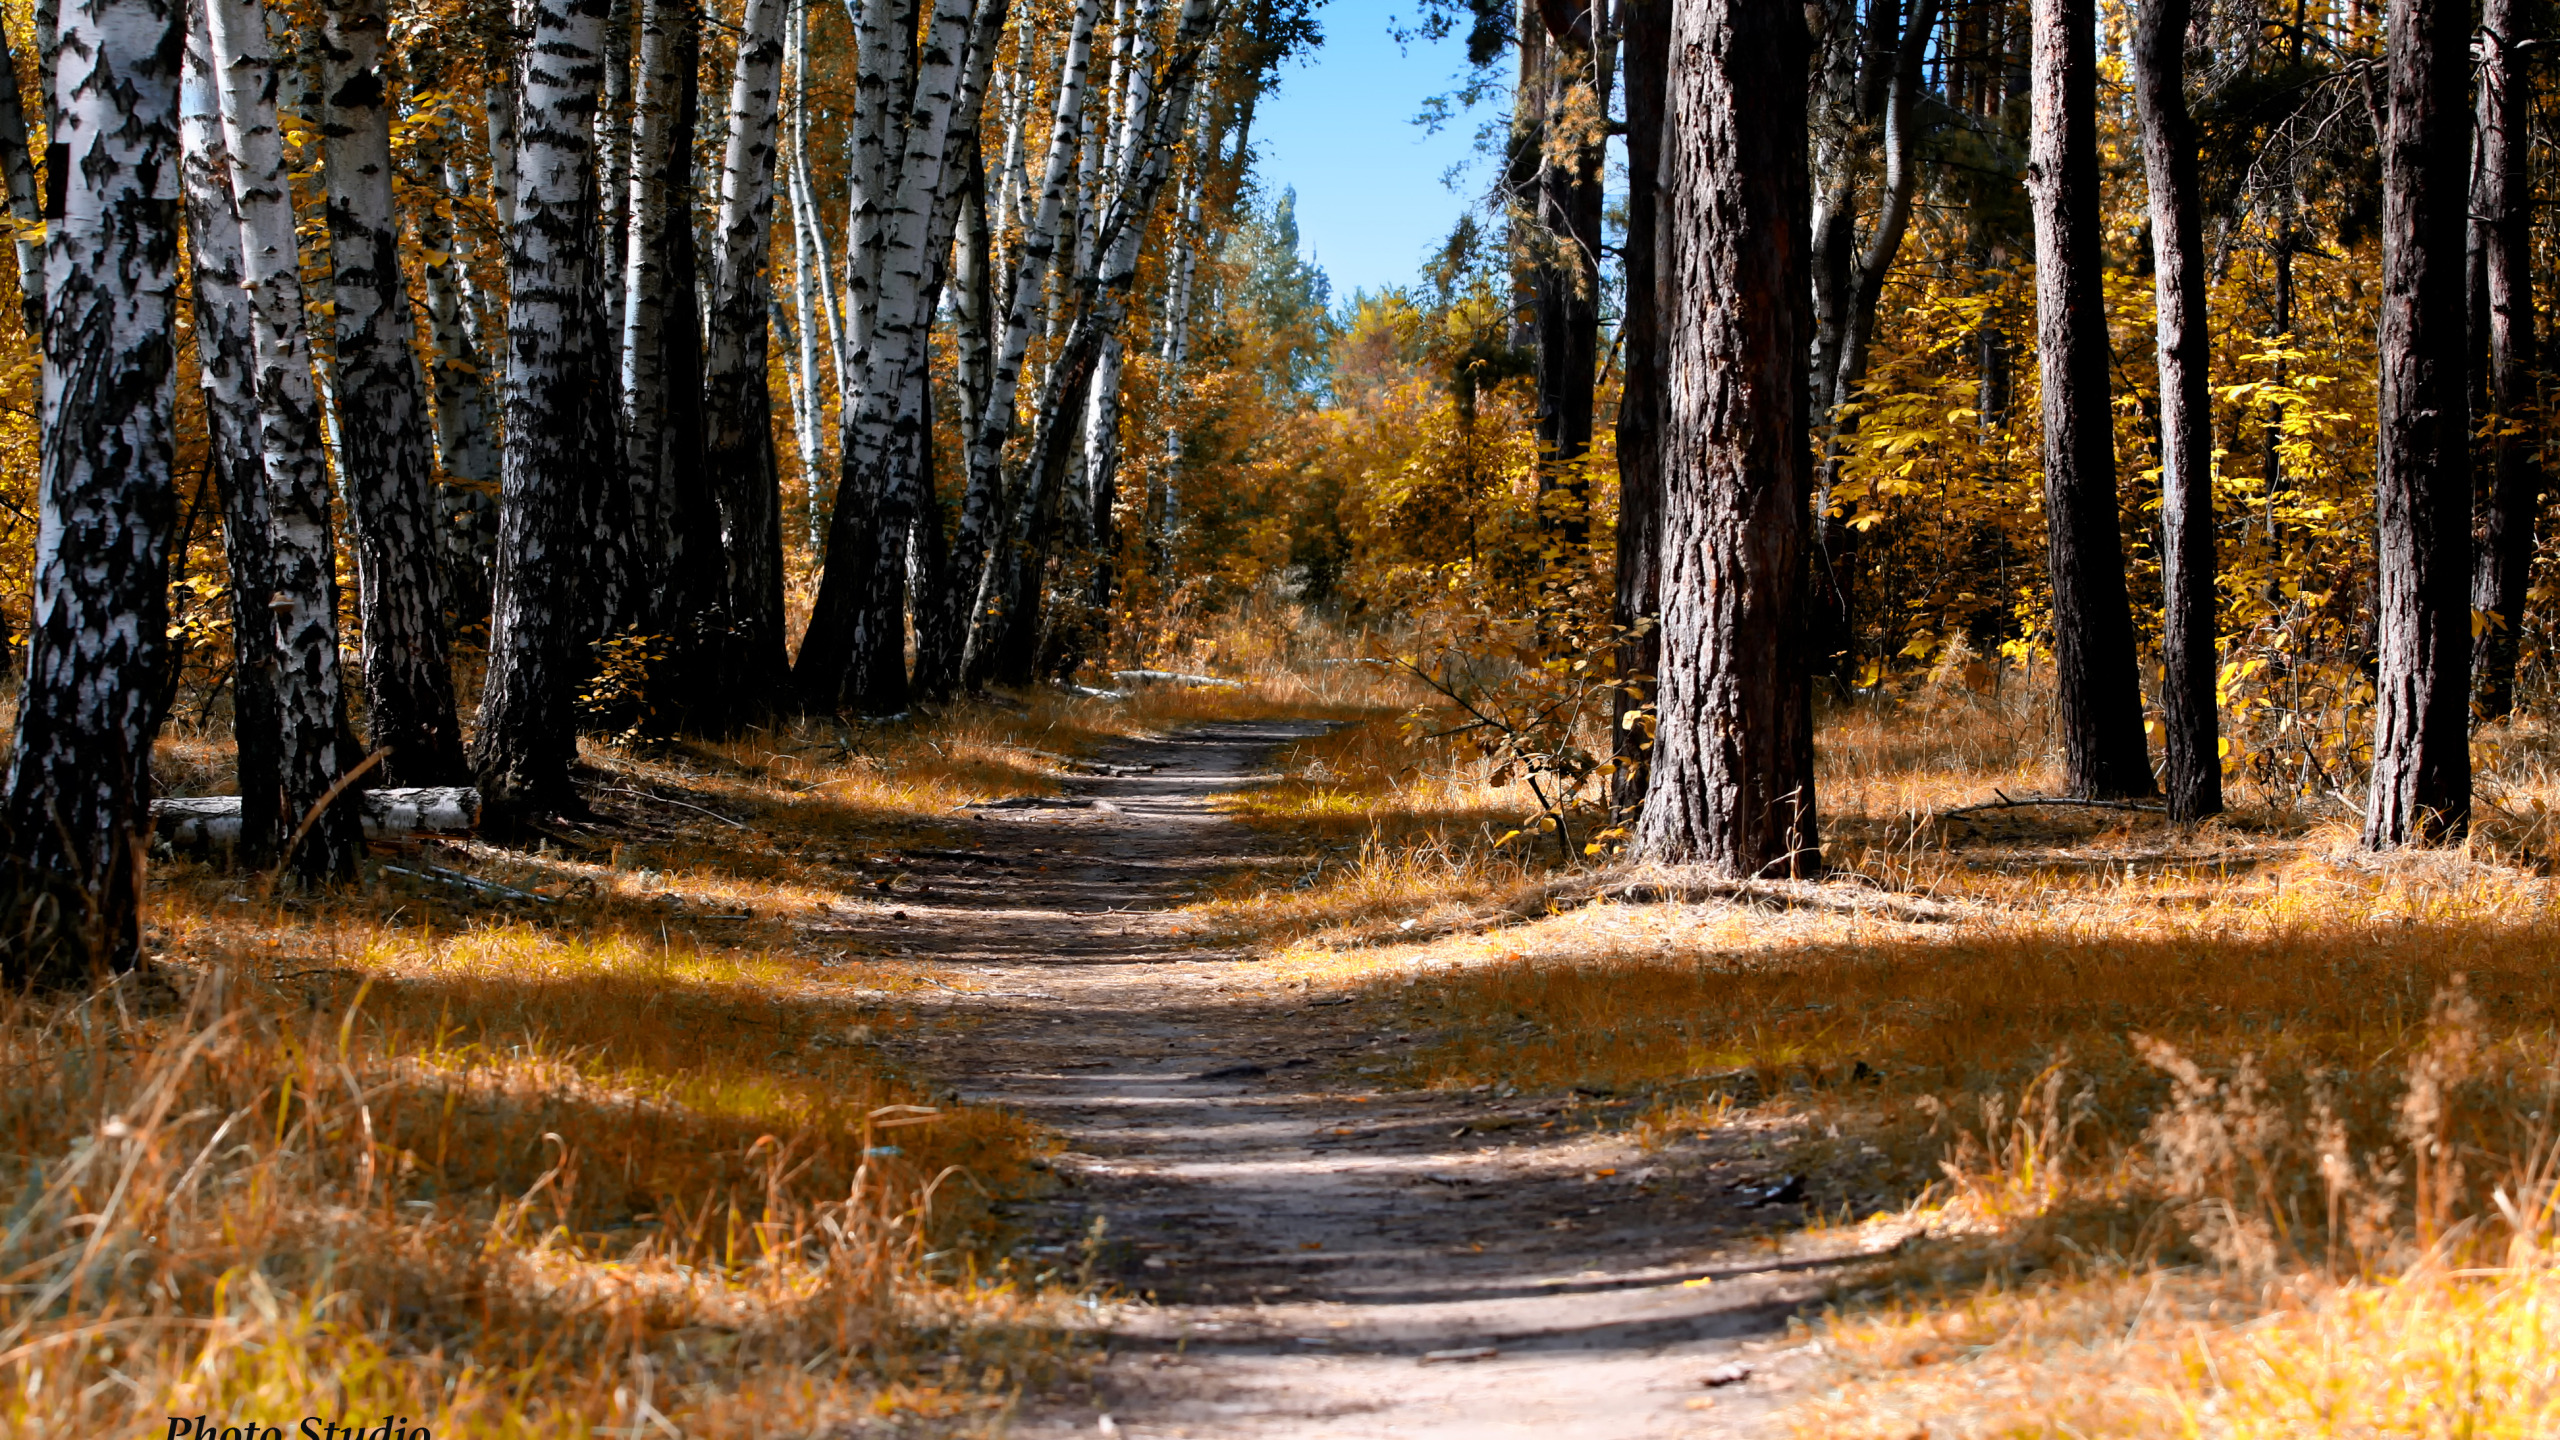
[2229,1130]
[615,1148]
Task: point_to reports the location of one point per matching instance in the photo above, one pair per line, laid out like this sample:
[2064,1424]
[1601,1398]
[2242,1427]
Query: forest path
[1297,1242]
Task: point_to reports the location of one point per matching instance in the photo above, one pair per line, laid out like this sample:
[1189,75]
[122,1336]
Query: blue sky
[1340,129]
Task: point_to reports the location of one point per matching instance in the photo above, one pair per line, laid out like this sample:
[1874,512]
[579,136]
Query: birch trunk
[1004,642]
[467,512]
[18,174]
[613,147]
[389,480]
[939,623]
[882,96]
[738,405]
[226,367]
[856,644]
[662,359]
[527,736]
[498,102]
[79,771]
[983,498]
[310,703]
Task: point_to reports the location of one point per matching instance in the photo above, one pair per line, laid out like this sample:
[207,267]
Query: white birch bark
[527,733]
[467,509]
[388,479]
[498,103]
[653,211]
[982,498]
[860,598]
[613,149]
[808,225]
[226,370]
[310,702]
[883,92]
[79,772]
[737,404]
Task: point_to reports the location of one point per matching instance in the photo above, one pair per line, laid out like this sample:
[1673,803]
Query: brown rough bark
[2503,203]
[1732,783]
[2187,705]
[1645,32]
[2421,786]
[2097,689]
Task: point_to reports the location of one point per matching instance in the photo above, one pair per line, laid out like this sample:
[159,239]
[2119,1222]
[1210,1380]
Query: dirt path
[1302,1248]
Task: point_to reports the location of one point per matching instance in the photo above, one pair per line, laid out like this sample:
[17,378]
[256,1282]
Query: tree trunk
[941,626]
[675,514]
[1637,611]
[2189,711]
[80,770]
[467,499]
[18,176]
[310,702]
[855,649]
[389,480]
[1566,277]
[1732,783]
[983,504]
[527,736]
[2505,207]
[226,367]
[2097,688]
[737,403]
[2421,786]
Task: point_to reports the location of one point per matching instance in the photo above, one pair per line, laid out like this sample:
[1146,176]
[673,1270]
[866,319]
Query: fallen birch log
[1174,677]
[212,822]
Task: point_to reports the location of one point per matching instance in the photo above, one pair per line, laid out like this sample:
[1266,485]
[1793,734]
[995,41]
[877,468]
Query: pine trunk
[382,409]
[2097,688]
[2189,711]
[1637,611]
[737,399]
[1567,277]
[310,702]
[2421,786]
[2505,207]
[80,770]
[527,736]
[1732,783]
[226,367]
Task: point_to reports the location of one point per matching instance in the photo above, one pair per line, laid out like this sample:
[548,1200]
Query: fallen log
[212,822]
[1175,677]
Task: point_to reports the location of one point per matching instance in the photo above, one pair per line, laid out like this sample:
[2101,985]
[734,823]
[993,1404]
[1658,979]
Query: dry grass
[615,1147]
[2222,1130]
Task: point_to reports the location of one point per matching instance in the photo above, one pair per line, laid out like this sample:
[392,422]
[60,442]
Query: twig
[2027,801]
[669,800]
[443,876]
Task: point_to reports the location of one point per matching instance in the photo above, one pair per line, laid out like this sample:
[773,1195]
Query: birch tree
[18,180]
[662,352]
[310,704]
[79,771]
[226,370]
[856,639]
[389,479]
[467,511]
[527,733]
[738,405]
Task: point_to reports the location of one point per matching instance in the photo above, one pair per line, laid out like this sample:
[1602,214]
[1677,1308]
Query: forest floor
[1297,1247]
[1229,1062]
